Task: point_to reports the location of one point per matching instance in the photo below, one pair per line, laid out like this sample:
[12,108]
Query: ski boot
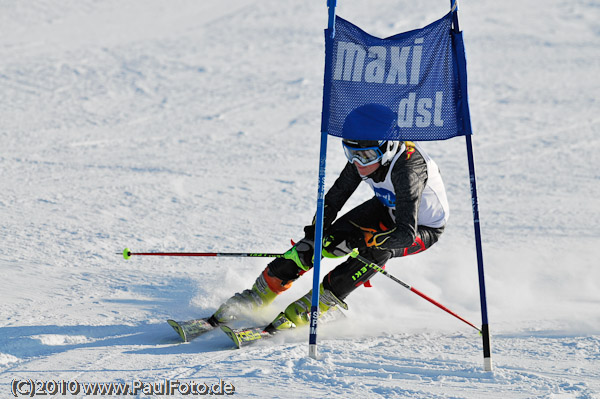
[263,292]
[298,313]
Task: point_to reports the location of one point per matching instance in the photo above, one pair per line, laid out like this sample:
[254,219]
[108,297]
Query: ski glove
[329,215]
[333,248]
[302,254]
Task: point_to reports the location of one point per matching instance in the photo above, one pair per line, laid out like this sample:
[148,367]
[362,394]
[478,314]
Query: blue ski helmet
[370,120]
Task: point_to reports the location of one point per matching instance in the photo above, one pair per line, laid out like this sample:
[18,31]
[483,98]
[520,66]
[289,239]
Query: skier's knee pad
[284,269]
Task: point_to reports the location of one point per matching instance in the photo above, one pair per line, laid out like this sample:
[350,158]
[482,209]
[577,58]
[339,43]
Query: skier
[407,215]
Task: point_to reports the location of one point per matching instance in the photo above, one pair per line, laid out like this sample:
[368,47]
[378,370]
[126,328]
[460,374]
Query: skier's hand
[302,254]
[329,215]
[334,249]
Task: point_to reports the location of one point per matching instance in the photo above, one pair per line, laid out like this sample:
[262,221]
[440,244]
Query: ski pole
[378,268]
[128,254]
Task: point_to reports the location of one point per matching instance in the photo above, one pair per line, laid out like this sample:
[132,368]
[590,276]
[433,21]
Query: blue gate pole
[485,331]
[314,310]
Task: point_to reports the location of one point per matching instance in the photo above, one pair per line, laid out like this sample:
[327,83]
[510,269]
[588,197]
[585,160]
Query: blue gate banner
[420,75]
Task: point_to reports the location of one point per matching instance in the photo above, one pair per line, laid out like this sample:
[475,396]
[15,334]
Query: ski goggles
[364,156]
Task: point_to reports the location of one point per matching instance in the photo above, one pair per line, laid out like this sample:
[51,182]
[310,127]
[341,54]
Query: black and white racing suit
[407,215]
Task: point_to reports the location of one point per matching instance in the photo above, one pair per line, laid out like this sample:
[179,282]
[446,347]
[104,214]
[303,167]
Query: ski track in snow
[193,126]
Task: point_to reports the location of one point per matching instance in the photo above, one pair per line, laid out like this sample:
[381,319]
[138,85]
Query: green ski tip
[178,329]
[126,253]
[231,334]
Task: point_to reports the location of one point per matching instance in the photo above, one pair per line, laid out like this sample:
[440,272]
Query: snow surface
[194,126]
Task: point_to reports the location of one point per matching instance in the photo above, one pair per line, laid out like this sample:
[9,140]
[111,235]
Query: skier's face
[365,171]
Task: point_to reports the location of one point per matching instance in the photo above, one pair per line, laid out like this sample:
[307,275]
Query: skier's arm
[337,196]
[342,189]
[409,178]
[409,186]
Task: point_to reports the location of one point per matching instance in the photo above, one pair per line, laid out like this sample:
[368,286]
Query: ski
[191,329]
[244,336]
